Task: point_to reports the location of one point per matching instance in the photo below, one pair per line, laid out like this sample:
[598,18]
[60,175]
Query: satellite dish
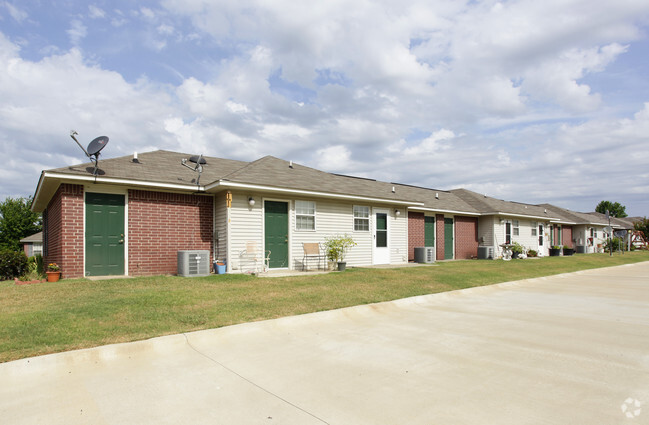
[196,159]
[199,161]
[94,148]
[97,145]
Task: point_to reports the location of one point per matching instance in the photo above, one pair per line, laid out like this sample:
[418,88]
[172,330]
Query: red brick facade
[439,236]
[63,230]
[416,233]
[466,237]
[160,224]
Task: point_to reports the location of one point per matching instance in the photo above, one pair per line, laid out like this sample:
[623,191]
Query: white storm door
[381,249]
[541,242]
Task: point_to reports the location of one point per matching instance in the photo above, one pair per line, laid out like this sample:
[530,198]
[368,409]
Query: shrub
[12,264]
[617,244]
[337,246]
[31,271]
[517,248]
[532,253]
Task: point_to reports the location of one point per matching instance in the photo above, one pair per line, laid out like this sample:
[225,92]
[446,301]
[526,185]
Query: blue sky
[522,100]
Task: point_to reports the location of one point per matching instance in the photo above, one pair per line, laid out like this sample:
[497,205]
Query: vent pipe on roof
[393,189]
[135,160]
[290,164]
[436,195]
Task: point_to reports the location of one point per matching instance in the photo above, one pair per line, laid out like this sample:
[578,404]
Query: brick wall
[160,224]
[439,236]
[466,237]
[566,236]
[416,233]
[64,227]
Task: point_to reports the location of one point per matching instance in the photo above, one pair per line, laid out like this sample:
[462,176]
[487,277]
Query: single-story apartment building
[134,214]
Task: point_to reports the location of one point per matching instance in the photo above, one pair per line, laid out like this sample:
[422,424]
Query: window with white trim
[304,215]
[515,227]
[361,218]
[533,228]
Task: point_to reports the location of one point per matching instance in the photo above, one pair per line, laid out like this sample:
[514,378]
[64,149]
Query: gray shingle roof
[488,205]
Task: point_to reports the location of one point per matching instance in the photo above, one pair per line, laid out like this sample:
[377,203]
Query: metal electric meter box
[425,254]
[193,263]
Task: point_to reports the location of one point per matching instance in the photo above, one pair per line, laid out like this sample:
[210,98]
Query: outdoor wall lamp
[251,201]
[397,213]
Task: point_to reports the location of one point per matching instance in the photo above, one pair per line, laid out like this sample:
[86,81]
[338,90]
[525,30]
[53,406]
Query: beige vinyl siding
[246,225]
[525,237]
[332,218]
[220,227]
[486,227]
[398,236]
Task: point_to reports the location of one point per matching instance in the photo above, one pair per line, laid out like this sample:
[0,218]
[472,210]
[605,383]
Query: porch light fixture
[397,213]
[251,201]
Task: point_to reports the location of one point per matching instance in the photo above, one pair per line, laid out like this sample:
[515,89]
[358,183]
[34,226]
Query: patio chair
[255,257]
[311,251]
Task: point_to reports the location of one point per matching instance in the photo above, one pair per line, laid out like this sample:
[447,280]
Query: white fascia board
[443,211]
[228,184]
[559,221]
[127,182]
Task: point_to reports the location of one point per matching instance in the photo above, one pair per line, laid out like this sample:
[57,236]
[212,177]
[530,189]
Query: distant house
[33,245]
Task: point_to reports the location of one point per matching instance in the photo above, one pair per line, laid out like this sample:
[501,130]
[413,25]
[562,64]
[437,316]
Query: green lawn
[70,314]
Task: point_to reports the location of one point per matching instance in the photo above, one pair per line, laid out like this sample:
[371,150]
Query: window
[38,248]
[361,219]
[508,232]
[533,228]
[515,229]
[304,215]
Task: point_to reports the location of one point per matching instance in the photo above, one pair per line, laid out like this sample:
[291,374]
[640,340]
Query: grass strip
[78,313]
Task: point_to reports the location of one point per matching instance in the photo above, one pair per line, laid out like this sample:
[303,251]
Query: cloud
[18,14]
[95,12]
[77,32]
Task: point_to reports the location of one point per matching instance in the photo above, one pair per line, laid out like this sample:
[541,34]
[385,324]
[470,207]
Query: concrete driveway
[568,349]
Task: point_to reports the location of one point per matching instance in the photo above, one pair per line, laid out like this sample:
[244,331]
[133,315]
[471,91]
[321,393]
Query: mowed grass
[78,313]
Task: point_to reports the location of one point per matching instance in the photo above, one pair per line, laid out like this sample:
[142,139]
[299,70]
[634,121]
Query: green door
[276,233]
[448,238]
[104,234]
[429,231]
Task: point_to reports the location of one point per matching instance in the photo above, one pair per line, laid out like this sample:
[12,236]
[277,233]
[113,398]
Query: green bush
[12,264]
[617,244]
[532,253]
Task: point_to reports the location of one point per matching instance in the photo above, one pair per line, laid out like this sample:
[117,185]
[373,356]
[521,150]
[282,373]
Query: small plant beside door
[336,247]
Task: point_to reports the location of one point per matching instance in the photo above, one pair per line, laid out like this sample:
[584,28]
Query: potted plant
[555,251]
[336,247]
[567,250]
[517,250]
[53,272]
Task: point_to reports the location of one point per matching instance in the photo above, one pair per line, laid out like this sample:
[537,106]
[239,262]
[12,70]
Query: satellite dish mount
[93,150]
[199,161]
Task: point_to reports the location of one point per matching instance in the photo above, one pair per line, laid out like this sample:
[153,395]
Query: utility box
[425,254]
[193,263]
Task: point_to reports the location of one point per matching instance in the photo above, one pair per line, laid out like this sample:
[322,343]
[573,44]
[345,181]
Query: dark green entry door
[276,233]
[104,234]
[429,231]
[448,238]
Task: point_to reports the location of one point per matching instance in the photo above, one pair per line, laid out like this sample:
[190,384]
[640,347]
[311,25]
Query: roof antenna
[94,148]
[199,161]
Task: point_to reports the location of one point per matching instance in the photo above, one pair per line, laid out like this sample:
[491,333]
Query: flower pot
[219,267]
[568,251]
[342,266]
[53,276]
[555,252]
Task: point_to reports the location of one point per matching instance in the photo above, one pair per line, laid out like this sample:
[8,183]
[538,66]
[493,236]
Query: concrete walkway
[569,349]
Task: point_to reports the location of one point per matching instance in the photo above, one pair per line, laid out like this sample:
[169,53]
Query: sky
[530,101]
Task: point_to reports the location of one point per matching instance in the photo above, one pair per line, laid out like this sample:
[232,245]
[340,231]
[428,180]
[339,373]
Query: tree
[614,208]
[643,226]
[17,221]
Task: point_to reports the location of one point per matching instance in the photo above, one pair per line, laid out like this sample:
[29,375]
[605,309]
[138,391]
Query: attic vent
[193,263]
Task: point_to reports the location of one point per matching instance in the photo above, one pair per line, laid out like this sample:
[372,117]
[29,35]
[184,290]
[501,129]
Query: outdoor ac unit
[193,263]
[485,253]
[425,254]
